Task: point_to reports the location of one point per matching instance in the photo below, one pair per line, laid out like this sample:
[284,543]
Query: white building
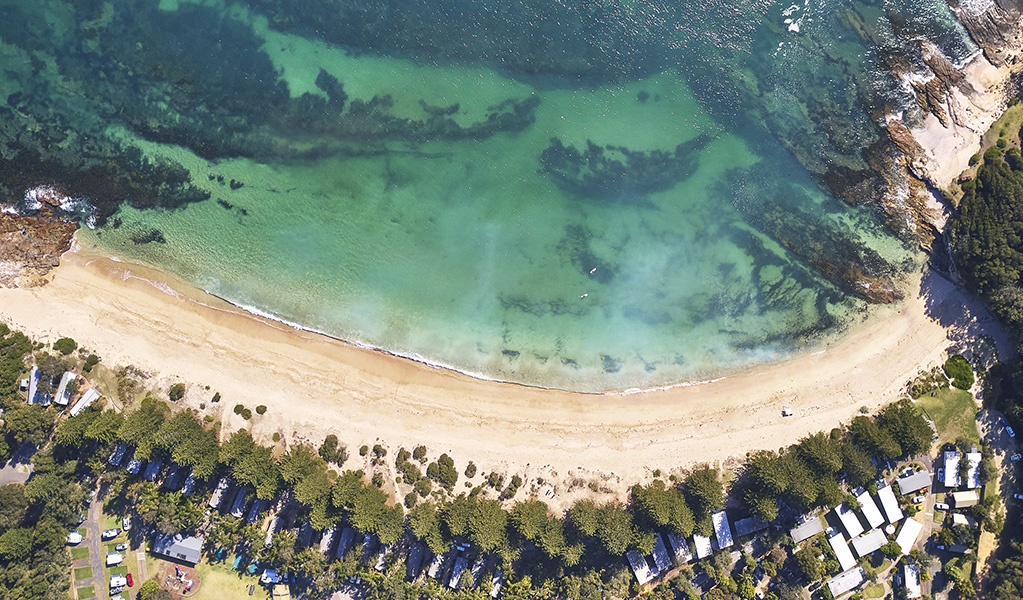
[63,396]
[722,529]
[114,558]
[848,580]
[850,522]
[908,534]
[456,573]
[914,482]
[88,398]
[680,548]
[842,552]
[869,510]
[889,504]
[33,383]
[639,566]
[869,542]
[911,578]
[951,479]
[810,526]
[702,546]
[661,557]
[973,474]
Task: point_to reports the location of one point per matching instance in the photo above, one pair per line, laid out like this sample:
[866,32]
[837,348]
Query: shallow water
[618,196]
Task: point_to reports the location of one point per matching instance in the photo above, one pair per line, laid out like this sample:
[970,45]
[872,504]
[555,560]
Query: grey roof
[118,454]
[661,558]
[811,527]
[414,562]
[749,525]
[347,536]
[914,482]
[722,529]
[843,582]
[153,469]
[178,547]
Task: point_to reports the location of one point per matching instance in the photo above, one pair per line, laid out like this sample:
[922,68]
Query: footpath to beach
[314,385]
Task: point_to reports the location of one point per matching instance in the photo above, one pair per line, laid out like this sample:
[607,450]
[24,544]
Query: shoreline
[314,385]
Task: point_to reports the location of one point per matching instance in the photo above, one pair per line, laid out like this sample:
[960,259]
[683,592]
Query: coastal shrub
[470,470]
[277,436]
[960,371]
[363,450]
[238,408]
[208,419]
[246,414]
[177,391]
[90,363]
[331,451]
[261,409]
[974,159]
[378,480]
[992,154]
[410,499]
[403,455]
[419,453]
[495,480]
[1001,143]
[216,397]
[447,475]
[379,451]
[512,489]
[65,346]
[423,487]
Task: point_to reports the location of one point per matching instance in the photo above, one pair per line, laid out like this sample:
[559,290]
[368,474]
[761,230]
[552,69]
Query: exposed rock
[30,246]
[996,29]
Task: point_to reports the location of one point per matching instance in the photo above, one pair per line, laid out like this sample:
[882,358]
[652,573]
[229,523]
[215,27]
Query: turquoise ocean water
[581,195]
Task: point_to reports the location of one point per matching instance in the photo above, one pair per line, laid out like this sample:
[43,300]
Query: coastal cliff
[31,246]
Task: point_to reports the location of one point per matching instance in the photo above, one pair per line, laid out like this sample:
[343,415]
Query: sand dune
[314,385]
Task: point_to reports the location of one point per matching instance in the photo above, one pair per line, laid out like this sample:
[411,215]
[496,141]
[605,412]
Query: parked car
[941,506]
[1015,456]
[131,582]
[122,546]
[1009,430]
[1018,496]
[918,499]
[940,474]
[126,523]
[110,533]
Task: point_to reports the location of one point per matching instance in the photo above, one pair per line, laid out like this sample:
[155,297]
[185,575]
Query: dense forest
[986,238]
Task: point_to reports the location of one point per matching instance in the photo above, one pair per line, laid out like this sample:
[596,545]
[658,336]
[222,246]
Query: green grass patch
[954,413]
[83,532]
[121,569]
[873,591]
[111,523]
[83,573]
[112,547]
[86,592]
[79,553]
[222,582]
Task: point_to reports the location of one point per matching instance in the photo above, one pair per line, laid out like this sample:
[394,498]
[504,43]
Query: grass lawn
[111,523]
[86,592]
[82,531]
[83,573]
[79,553]
[873,591]
[121,569]
[954,413]
[221,582]
[112,546]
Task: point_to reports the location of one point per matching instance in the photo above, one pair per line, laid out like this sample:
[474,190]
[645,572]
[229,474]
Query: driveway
[19,468]
[96,558]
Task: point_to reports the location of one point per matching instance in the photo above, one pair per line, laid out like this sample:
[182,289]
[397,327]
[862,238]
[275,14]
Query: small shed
[869,509]
[661,557]
[456,572]
[345,543]
[850,522]
[63,396]
[916,481]
[702,546]
[722,529]
[414,563]
[809,526]
[965,499]
[842,552]
[680,548]
[973,473]
[869,542]
[951,479]
[88,398]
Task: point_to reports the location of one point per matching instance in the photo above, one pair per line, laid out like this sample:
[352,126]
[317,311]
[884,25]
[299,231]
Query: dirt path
[96,558]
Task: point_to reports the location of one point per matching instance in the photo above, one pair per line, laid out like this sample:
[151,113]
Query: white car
[126,523]
[1018,496]
[1009,430]
[940,506]
[1015,456]
[74,538]
[110,533]
[918,499]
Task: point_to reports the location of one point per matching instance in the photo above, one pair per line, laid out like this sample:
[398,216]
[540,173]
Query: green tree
[177,391]
[530,518]
[237,447]
[872,439]
[16,544]
[105,427]
[260,471]
[13,506]
[808,563]
[425,524]
[904,423]
[706,493]
[65,346]
[959,371]
[662,507]
[614,528]
[29,424]
[141,426]
[822,454]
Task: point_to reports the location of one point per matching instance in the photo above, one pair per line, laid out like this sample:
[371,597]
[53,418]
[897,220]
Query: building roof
[850,522]
[680,548]
[218,493]
[178,547]
[889,504]
[961,519]
[973,474]
[456,572]
[908,534]
[241,503]
[118,454]
[189,486]
[869,542]
[414,562]
[842,552]
[914,482]
[88,398]
[305,535]
[661,558]
[257,507]
[869,510]
[965,499]
[811,526]
[639,566]
[498,579]
[153,469]
[845,581]
[748,526]
[702,546]
[951,464]
[33,382]
[722,529]
[62,397]
[347,536]
[911,577]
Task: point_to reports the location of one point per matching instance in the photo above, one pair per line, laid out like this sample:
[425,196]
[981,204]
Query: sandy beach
[314,385]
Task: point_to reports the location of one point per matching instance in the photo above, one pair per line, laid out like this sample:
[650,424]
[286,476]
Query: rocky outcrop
[996,29]
[30,246]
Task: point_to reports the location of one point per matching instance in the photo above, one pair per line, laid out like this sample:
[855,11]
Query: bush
[419,453]
[90,363]
[216,397]
[974,159]
[261,409]
[239,409]
[378,480]
[177,391]
[410,499]
[379,451]
[423,487]
[208,419]
[65,346]
[470,469]
[960,371]
[1002,143]
[277,436]
[992,154]
[246,414]
[363,450]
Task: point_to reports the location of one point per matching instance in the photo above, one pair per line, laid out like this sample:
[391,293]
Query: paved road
[19,468]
